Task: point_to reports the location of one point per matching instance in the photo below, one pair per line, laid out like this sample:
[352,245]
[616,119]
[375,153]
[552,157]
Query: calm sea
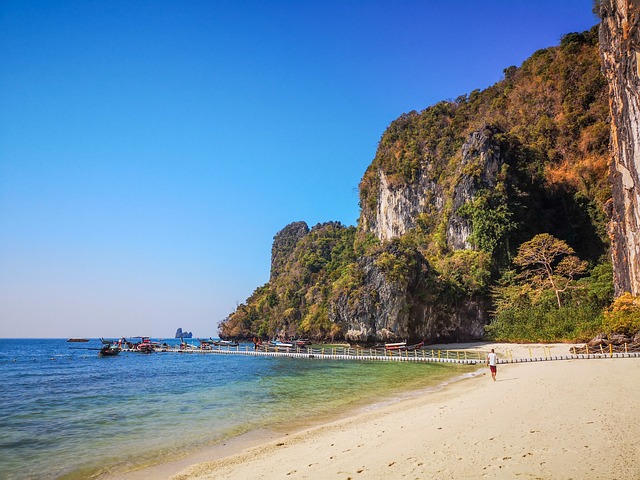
[67,413]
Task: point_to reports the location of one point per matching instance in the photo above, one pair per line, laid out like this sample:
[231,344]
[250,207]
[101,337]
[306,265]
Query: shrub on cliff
[305,264]
[623,317]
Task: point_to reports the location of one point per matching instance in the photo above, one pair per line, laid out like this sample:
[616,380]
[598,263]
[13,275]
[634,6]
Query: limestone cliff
[620,50]
[478,171]
[398,289]
[400,297]
[452,192]
[399,208]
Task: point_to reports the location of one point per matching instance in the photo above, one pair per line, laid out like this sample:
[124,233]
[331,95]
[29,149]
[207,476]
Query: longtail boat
[403,346]
[109,351]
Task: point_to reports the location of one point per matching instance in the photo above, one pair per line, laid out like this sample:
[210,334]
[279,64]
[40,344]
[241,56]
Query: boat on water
[395,346]
[109,351]
[403,346]
[204,344]
[77,340]
[144,345]
[210,343]
[278,343]
[225,343]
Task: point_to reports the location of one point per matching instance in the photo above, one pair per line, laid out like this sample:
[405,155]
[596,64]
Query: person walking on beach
[492,361]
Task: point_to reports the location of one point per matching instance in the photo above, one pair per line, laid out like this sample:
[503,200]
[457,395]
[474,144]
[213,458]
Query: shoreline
[261,436]
[545,420]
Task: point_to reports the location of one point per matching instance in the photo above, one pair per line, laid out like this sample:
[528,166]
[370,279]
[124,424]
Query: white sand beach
[567,419]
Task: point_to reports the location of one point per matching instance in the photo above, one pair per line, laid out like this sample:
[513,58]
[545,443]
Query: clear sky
[150,150]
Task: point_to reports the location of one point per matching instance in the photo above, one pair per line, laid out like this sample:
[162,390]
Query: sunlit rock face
[620,51]
[478,170]
[399,207]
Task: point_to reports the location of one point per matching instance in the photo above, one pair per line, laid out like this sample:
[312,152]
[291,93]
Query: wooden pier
[468,357]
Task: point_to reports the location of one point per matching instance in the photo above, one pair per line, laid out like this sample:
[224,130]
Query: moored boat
[204,344]
[395,346]
[403,346]
[78,340]
[109,351]
[278,343]
[145,345]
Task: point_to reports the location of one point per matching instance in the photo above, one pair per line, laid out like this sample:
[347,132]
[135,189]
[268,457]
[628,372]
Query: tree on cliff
[549,262]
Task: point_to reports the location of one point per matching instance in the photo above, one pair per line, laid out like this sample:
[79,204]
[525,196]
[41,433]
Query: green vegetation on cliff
[551,121]
[305,272]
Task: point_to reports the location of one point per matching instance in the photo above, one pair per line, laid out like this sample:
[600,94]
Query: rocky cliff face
[400,206]
[391,303]
[395,306]
[620,50]
[451,193]
[380,309]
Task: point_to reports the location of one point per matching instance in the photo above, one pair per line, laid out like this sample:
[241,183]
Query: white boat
[277,343]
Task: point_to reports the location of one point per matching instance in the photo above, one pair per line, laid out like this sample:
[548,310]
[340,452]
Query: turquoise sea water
[67,413]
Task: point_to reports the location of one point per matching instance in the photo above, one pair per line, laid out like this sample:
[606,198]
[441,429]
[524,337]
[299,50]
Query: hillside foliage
[295,300]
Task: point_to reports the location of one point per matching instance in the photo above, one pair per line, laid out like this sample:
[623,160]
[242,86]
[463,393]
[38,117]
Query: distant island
[181,334]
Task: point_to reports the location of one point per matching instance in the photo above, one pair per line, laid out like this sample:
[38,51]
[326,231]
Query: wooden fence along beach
[464,356]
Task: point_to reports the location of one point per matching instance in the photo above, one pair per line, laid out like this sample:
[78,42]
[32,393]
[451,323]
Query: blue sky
[150,151]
